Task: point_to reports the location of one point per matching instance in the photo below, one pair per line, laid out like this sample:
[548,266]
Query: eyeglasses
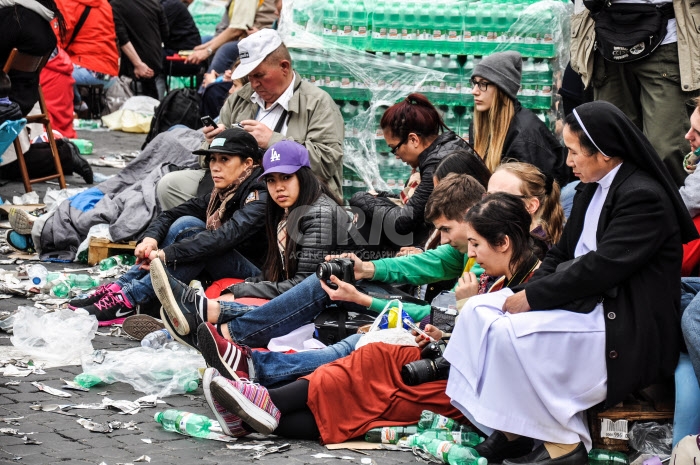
[396,147]
[483,85]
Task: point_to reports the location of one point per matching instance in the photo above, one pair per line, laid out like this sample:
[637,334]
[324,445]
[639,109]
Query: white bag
[396,336]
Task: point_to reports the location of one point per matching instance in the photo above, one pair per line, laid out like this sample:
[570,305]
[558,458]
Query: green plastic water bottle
[430,420]
[360,24]
[462,438]
[111,262]
[60,288]
[344,34]
[451,453]
[83,282]
[394,32]
[455,25]
[186,423]
[84,146]
[439,43]
[330,21]
[409,31]
[469,31]
[380,22]
[607,457]
[425,27]
[390,434]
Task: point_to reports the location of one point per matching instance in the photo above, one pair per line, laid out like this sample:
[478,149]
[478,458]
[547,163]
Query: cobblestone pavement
[64,440]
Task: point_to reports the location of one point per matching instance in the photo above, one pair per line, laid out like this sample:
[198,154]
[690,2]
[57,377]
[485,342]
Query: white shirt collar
[606,181]
[283,99]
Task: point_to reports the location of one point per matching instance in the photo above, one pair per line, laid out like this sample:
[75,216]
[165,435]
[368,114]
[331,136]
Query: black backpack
[180,106]
[39,159]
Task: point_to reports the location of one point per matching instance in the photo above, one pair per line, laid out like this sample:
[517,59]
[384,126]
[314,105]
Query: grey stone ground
[65,441]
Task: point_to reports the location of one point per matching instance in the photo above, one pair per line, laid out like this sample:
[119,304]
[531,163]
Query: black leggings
[297,421]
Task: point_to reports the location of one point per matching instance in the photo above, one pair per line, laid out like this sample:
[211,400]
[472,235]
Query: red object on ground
[373,394]
[691,254]
[175,57]
[56,81]
[217,287]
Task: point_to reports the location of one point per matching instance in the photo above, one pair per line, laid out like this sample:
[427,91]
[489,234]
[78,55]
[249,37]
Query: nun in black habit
[598,320]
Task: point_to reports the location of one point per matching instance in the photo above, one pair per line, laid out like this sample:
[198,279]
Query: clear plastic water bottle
[410,29]
[344,34]
[37,275]
[111,262]
[156,339]
[394,32]
[469,31]
[455,25]
[86,124]
[186,423]
[607,457]
[330,21]
[360,25]
[84,146]
[83,282]
[462,438]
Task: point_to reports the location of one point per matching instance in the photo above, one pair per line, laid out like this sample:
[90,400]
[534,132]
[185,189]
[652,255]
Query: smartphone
[207,121]
[415,328]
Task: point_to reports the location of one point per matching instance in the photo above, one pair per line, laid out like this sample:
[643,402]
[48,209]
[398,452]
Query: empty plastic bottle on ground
[156,339]
[84,146]
[86,124]
[37,275]
[607,457]
[390,434]
[451,453]
[111,262]
[431,420]
[88,380]
[186,423]
[462,438]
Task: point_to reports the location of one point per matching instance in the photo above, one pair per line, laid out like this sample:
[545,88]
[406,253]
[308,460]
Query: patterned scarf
[282,236]
[411,186]
[220,197]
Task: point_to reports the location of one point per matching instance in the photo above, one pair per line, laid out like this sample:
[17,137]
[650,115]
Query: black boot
[497,447]
[81,166]
[540,456]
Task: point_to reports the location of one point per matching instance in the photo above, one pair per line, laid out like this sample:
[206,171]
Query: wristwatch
[209,51]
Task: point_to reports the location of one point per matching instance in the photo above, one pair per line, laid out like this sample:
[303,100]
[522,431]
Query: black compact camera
[342,268]
[431,367]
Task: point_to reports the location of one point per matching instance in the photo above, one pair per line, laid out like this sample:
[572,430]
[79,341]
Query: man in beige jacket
[275,105]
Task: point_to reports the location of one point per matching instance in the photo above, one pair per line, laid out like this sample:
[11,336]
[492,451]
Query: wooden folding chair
[19,61]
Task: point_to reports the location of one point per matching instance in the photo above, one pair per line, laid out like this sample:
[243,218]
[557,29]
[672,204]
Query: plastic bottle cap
[36,280]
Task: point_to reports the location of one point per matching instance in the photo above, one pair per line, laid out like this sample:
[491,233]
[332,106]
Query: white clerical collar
[606,181]
[283,99]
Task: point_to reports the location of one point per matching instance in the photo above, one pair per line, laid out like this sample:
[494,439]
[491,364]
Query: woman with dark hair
[462,162]
[416,134]
[606,319]
[304,223]
[26,26]
[369,381]
[502,128]
[215,233]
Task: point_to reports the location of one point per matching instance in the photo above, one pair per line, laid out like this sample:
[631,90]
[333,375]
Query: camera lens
[418,372]
[324,271]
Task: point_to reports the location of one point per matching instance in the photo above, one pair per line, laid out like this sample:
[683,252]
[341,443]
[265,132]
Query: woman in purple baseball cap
[304,223]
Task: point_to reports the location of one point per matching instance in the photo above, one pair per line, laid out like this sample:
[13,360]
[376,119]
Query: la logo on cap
[274,155]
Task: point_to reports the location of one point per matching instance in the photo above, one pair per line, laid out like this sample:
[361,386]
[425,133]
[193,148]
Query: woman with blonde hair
[502,128]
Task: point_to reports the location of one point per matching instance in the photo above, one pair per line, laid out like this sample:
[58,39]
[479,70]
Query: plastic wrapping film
[369,55]
[207,14]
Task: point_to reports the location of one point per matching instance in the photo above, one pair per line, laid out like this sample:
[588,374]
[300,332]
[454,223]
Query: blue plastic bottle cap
[36,280]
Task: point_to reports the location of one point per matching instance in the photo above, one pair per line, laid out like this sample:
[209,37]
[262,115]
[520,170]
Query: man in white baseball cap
[275,105]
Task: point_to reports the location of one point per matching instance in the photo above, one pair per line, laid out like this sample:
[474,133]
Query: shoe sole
[210,352]
[235,402]
[161,285]
[206,387]
[21,221]
[138,326]
[173,333]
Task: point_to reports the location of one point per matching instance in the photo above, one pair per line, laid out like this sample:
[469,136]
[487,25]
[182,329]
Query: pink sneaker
[249,401]
[99,292]
[231,424]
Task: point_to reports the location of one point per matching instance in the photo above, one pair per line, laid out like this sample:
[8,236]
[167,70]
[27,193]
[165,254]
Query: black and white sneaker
[189,340]
[111,306]
[184,305]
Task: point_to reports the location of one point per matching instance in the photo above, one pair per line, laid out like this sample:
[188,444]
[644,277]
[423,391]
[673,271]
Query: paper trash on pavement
[50,390]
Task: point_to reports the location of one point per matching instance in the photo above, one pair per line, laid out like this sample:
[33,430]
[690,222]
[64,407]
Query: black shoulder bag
[629,31]
[78,26]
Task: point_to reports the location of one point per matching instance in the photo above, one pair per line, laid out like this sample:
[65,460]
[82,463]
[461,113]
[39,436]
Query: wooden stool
[93,96]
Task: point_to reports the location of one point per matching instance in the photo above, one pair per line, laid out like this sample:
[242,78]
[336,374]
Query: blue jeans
[274,368]
[567,197]
[686,418]
[255,326]
[136,283]
[86,77]
[224,57]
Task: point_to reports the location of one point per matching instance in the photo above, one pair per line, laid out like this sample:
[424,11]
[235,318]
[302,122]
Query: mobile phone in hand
[208,121]
[415,328]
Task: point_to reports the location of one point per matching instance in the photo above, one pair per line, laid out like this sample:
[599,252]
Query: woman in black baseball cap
[213,233]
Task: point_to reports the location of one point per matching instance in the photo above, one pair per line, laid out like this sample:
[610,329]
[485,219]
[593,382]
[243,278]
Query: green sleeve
[415,311]
[444,262]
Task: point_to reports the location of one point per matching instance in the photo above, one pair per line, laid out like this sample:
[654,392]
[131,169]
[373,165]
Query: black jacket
[321,229]
[530,141]
[242,225]
[409,220]
[143,23]
[29,33]
[639,251]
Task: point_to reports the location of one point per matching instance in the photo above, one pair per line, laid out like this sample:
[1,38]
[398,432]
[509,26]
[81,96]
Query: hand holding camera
[431,367]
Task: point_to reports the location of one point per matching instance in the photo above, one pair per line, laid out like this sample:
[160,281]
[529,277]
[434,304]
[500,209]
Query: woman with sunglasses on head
[502,128]
[416,135]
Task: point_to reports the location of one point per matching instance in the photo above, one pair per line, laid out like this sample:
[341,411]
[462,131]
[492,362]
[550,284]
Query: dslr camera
[342,268]
[431,367]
